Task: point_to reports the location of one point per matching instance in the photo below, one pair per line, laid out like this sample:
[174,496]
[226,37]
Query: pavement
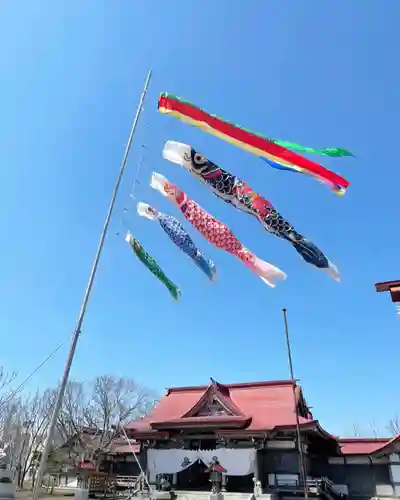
[27,495]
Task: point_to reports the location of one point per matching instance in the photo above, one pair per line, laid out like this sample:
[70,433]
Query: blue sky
[318,73]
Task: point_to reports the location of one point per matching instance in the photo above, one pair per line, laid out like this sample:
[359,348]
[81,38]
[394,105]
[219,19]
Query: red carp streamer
[215,231]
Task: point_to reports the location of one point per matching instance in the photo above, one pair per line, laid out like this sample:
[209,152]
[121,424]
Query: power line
[20,388]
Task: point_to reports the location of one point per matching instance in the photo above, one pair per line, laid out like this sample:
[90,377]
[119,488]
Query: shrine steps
[207,495]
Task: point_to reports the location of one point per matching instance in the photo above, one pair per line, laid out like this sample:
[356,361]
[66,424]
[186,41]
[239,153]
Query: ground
[27,495]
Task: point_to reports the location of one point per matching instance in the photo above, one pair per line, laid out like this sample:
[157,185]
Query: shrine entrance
[194,477]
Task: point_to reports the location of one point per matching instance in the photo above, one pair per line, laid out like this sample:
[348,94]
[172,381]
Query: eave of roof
[125,449]
[220,422]
[385,286]
[312,425]
[367,446]
[393,287]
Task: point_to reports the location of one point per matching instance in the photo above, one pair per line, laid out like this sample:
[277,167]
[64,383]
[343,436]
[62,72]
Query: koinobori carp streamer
[271,150]
[215,231]
[233,190]
[152,265]
[177,233]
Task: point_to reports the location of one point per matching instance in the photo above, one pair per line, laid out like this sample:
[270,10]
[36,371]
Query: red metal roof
[253,407]
[365,446]
[264,405]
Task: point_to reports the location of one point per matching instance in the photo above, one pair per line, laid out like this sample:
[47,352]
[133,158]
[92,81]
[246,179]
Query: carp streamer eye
[198,158]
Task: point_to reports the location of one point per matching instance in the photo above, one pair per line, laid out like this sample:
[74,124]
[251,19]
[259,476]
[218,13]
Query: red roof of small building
[126,449]
[366,446]
[86,465]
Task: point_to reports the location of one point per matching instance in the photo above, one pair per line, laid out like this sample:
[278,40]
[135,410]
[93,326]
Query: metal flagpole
[77,331]
[303,472]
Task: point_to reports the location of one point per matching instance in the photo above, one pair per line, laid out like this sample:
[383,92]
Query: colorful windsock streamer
[233,190]
[215,231]
[152,266]
[271,150]
[332,152]
[176,232]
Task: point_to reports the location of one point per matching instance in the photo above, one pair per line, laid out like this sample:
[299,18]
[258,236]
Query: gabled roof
[255,407]
[367,446]
[221,394]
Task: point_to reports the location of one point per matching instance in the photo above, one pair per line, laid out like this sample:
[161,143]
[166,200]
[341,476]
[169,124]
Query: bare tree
[92,414]
[73,434]
[8,415]
[6,379]
[11,429]
[394,425]
[115,400]
[374,428]
[36,413]
[72,417]
[6,393]
[356,430]
[90,418]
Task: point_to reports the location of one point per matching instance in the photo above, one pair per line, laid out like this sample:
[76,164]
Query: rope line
[20,388]
[135,456]
[132,193]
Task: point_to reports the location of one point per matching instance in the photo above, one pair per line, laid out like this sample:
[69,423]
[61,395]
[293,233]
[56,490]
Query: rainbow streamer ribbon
[273,153]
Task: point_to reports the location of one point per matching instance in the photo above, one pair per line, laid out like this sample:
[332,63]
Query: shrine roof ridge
[238,385]
[356,439]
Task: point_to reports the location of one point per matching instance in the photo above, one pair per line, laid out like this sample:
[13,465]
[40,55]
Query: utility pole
[86,297]
[303,471]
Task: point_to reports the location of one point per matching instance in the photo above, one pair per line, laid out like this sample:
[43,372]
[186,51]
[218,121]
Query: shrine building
[251,430]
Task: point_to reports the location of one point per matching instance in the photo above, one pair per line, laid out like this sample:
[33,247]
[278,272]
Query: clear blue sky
[319,73]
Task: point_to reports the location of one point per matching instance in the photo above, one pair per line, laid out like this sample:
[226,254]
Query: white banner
[238,462]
